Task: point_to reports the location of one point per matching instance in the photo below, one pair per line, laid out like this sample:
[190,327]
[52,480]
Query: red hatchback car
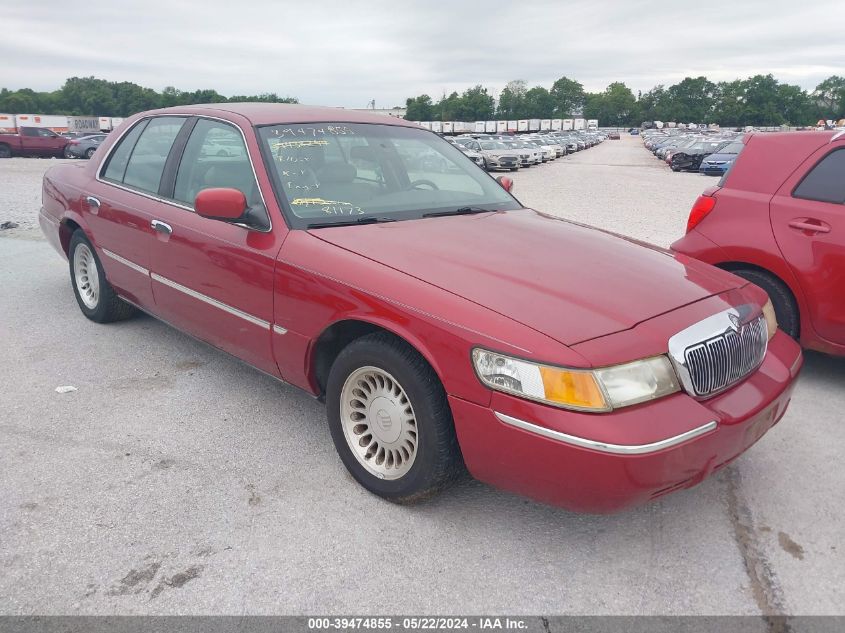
[371,263]
[777,219]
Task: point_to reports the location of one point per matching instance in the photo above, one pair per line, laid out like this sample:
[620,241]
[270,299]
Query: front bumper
[606,462]
[712,170]
[502,162]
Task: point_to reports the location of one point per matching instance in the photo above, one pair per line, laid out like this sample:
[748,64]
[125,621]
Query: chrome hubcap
[378,422]
[85,275]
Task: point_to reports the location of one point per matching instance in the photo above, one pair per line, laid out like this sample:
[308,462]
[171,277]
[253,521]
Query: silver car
[473,155]
[496,154]
[84,146]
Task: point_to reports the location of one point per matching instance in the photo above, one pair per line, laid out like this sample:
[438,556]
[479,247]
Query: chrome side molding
[604,447]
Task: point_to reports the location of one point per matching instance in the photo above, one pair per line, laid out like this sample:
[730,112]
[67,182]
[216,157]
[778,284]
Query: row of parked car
[708,153]
[511,152]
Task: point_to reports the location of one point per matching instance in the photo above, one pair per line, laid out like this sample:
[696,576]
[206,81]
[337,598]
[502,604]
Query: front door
[211,278]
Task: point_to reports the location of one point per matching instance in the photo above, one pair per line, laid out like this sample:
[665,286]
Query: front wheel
[89,153]
[390,420]
[67,153]
[95,296]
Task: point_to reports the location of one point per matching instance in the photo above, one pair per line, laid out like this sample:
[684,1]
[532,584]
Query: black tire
[5,151]
[66,152]
[438,461]
[786,309]
[89,153]
[109,306]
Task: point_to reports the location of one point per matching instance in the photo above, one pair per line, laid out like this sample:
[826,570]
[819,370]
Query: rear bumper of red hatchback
[606,462]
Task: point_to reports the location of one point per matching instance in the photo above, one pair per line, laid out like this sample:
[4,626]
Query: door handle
[161,227]
[93,204]
[809,224]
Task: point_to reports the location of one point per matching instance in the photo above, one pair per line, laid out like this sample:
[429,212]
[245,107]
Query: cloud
[333,52]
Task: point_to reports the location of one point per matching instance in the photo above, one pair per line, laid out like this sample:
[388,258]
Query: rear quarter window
[825,182]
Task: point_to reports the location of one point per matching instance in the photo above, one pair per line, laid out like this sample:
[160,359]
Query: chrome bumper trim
[210,301]
[604,447]
[125,262]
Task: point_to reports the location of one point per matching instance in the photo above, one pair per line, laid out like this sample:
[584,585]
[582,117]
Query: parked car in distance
[84,146]
[497,155]
[430,310]
[717,164]
[474,156]
[690,158]
[777,219]
[32,141]
[527,155]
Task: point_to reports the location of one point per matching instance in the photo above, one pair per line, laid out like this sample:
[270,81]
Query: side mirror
[220,204]
[507,183]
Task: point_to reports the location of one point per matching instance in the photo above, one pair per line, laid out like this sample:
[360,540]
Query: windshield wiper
[367,220]
[459,211]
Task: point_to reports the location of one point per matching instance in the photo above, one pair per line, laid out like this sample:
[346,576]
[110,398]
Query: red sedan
[371,263]
[777,219]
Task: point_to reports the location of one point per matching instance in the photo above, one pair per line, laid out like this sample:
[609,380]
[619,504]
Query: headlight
[771,318]
[596,390]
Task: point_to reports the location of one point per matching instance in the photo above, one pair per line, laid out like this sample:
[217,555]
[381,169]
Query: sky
[338,53]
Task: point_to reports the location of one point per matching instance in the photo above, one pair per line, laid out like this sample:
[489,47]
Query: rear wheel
[95,296]
[66,153]
[5,151]
[390,420]
[786,309]
[89,153]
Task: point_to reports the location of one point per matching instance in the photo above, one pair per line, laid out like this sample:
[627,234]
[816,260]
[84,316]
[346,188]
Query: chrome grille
[715,354]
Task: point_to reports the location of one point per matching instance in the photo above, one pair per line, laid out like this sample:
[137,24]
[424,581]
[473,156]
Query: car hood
[568,281]
[725,157]
[499,152]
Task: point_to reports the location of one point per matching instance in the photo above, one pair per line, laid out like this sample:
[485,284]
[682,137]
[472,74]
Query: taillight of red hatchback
[703,206]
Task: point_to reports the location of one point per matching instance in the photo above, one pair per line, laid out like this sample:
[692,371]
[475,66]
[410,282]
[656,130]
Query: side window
[215,156]
[146,162]
[118,159]
[29,131]
[826,181]
[45,133]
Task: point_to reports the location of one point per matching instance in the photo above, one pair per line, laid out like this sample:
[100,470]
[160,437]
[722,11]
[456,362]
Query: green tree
[537,104]
[475,105]
[567,96]
[616,106]
[692,100]
[654,105]
[762,106]
[511,100]
[448,108]
[829,98]
[419,108]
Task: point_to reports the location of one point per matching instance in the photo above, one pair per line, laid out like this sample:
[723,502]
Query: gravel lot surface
[177,480]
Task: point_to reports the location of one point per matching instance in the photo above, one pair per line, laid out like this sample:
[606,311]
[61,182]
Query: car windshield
[733,148]
[330,173]
[493,145]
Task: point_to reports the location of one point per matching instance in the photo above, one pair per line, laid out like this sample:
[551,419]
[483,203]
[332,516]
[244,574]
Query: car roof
[285,113]
[770,157]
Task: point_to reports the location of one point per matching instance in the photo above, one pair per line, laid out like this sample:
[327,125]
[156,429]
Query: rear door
[122,202]
[808,219]
[211,278]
